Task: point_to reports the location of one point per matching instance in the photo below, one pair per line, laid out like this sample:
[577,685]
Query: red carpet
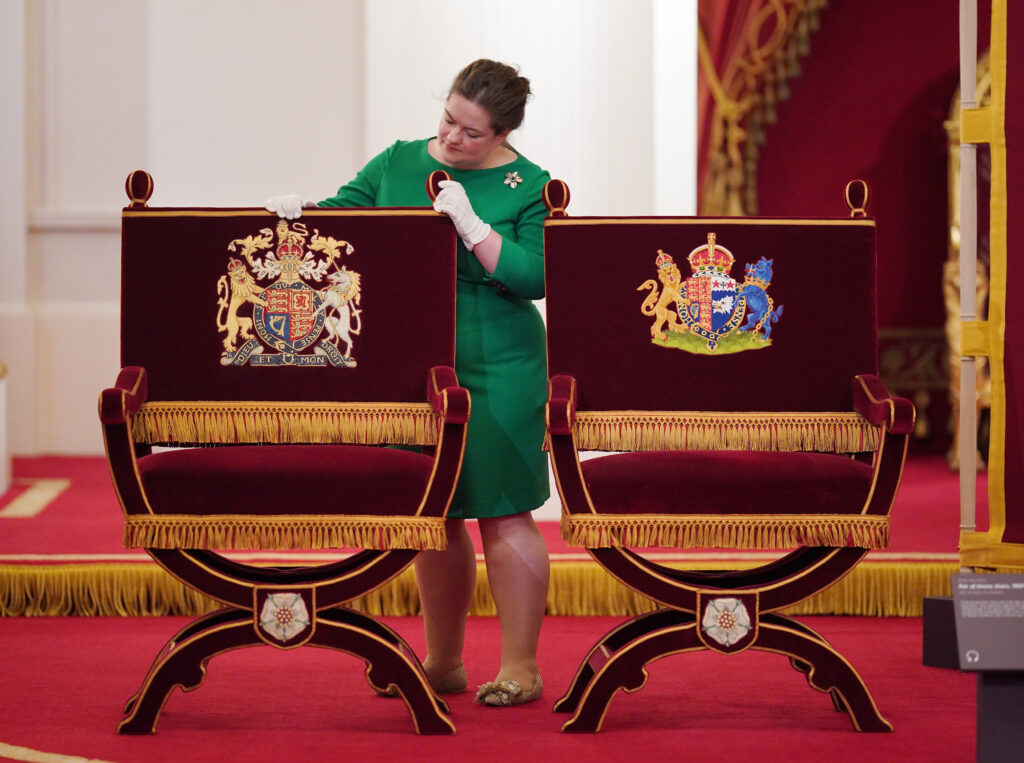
[65,680]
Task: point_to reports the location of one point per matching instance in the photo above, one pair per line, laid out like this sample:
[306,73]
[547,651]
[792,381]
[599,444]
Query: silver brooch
[512,179]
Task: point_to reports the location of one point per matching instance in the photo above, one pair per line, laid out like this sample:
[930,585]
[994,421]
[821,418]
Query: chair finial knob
[556,198]
[433,183]
[857,198]
[139,187]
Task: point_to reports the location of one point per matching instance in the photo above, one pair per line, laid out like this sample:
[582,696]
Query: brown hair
[496,87]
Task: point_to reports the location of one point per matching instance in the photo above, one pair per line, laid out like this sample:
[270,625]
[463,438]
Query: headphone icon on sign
[972,655]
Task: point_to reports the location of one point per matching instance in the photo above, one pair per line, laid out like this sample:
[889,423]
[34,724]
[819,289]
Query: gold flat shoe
[508,693]
[451,682]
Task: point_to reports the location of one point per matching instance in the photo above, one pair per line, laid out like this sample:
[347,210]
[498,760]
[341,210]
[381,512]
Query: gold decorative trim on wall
[776,36]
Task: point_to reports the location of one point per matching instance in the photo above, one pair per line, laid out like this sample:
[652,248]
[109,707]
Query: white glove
[290,205]
[453,201]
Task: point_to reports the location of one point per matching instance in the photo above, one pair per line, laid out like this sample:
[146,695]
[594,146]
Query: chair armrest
[125,397]
[561,408]
[446,397]
[872,401]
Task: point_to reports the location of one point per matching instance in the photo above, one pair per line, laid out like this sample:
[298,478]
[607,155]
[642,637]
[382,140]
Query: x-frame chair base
[619,660]
[389,659]
[390,662]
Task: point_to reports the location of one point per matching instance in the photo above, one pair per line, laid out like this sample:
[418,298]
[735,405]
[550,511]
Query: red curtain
[748,49]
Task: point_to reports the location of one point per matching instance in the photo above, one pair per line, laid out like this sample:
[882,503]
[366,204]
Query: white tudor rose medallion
[284,616]
[725,621]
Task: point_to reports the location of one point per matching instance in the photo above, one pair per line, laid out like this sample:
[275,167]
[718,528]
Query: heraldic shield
[708,308]
[709,304]
[288,314]
[290,320]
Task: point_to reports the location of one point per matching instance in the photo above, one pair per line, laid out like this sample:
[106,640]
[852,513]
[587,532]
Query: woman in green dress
[495,202]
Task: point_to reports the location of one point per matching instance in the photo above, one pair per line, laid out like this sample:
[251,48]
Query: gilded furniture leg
[390,661]
[184,665]
[625,669]
[198,625]
[612,641]
[618,662]
[828,672]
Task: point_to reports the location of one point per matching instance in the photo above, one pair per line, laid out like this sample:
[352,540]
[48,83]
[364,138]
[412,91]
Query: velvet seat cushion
[286,479]
[727,482]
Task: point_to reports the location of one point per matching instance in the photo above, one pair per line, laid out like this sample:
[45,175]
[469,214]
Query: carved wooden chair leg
[226,614]
[625,670]
[611,642]
[785,621]
[185,666]
[355,618]
[388,664]
[829,672]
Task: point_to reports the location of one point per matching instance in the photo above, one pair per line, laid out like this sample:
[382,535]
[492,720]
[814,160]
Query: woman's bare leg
[518,571]
[446,582]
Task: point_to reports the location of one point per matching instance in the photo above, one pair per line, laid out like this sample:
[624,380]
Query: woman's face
[465,138]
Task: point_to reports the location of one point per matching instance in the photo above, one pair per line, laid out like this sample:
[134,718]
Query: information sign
[989,616]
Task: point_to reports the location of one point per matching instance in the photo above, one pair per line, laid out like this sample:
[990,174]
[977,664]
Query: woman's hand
[290,205]
[453,201]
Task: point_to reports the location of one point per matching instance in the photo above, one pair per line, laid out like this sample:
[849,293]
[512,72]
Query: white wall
[16,326]
[227,102]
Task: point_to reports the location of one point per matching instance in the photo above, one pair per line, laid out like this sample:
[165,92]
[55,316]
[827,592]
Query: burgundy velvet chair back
[805,290]
[235,304]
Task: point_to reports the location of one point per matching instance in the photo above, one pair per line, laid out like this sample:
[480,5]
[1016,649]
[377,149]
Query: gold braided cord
[681,430]
[776,35]
[217,422]
[280,533]
[746,531]
[583,588]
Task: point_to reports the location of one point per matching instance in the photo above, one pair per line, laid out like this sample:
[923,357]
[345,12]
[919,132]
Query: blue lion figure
[762,314]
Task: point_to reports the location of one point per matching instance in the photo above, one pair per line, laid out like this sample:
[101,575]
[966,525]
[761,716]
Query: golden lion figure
[663,305]
[243,288]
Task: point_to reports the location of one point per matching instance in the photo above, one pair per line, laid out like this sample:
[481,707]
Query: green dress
[499,336]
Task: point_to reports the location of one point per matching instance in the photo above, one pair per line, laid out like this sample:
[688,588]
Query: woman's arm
[519,265]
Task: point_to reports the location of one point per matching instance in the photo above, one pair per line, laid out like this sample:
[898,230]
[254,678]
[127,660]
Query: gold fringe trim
[872,589]
[672,430]
[582,589]
[280,533]
[748,531]
[213,422]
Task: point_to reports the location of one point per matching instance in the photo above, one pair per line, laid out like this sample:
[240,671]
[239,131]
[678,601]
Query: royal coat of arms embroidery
[288,314]
[704,314]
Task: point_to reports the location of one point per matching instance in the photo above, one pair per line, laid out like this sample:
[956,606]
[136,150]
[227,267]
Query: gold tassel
[213,422]
[670,430]
[285,532]
[584,589]
[746,531]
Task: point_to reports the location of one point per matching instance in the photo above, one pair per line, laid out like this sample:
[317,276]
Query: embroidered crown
[663,260]
[289,242]
[711,258]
